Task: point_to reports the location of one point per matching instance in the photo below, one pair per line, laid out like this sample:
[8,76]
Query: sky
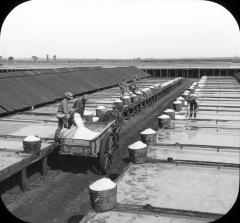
[119,29]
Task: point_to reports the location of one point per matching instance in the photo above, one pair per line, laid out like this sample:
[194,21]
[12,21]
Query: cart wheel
[108,151]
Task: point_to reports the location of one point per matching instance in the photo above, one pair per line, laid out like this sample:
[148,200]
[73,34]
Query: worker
[123,87]
[192,105]
[134,86]
[63,114]
[79,105]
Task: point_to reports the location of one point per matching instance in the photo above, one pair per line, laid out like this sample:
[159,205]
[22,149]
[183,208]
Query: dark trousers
[193,108]
[59,128]
[62,122]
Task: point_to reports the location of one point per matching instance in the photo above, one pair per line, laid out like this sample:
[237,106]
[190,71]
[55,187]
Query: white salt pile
[88,113]
[177,102]
[95,119]
[148,131]
[164,116]
[118,100]
[81,131]
[180,99]
[137,145]
[101,107]
[102,184]
[169,110]
[126,97]
[31,138]
[138,92]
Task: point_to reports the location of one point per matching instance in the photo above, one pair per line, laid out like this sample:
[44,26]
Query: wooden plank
[198,146]
[24,162]
[151,210]
[192,162]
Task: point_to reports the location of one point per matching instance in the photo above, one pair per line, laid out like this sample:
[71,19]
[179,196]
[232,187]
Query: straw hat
[68,95]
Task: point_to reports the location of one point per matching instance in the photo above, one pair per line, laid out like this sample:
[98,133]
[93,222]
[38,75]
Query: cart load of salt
[81,131]
[31,138]
[137,145]
[102,184]
[148,131]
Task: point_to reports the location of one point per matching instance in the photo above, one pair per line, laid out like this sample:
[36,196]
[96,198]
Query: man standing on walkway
[63,114]
[134,86]
[123,87]
[192,105]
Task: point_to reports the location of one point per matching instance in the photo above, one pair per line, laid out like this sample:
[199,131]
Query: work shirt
[63,107]
[123,85]
[79,106]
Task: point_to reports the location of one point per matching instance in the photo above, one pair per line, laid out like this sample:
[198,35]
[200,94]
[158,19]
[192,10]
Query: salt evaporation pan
[102,184]
[148,131]
[137,145]
[31,138]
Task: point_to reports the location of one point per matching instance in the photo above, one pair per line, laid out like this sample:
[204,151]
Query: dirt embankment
[62,196]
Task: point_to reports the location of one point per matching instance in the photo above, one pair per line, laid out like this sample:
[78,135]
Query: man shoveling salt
[79,131]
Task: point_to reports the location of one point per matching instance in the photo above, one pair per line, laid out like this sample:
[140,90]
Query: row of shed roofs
[24,89]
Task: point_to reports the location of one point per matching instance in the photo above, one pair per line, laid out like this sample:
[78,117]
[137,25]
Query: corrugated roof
[23,89]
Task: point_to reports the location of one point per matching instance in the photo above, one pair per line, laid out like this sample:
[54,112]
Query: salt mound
[102,184]
[101,107]
[138,92]
[169,110]
[180,98]
[118,100]
[137,145]
[134,95]
[164,116]
[95,119]
[177,102]
[148,131]
[126,97]
[31,138]
[88,113]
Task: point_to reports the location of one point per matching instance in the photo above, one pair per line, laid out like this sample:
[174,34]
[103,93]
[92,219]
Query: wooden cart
[104,146]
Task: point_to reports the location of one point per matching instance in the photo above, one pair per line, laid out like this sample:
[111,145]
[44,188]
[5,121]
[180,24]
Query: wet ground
[62,196]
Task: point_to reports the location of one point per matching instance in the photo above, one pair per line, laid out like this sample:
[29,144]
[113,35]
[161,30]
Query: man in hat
[79,107]
[193,105]
[63,114]
[123,87]
[133,86]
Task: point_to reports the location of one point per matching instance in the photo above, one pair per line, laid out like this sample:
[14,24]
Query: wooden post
[44,166]
[24,181]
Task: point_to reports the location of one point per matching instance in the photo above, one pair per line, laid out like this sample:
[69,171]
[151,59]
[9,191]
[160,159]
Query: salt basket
[32,144]
[138,152]
[103,195]
[149,136]
[170,112]
[177,105]
[164,121]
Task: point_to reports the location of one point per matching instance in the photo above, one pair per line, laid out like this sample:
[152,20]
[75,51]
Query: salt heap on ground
[148,131]
[101,107]
[164,116]
[102,184]
[31,138]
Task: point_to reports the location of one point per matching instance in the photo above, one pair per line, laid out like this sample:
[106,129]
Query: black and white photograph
[119,111]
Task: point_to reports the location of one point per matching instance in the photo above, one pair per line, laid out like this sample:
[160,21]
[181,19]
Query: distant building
[1,58]
[47,57]
[54,57]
